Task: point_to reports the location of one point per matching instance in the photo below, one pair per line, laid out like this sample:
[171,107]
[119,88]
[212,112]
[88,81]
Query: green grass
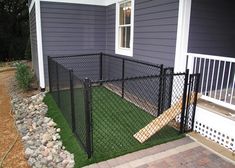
[115,120]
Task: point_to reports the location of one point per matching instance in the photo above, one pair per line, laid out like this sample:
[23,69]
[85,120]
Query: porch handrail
[215,57]
[217,77]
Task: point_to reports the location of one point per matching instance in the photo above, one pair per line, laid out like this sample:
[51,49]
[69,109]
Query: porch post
[182,35]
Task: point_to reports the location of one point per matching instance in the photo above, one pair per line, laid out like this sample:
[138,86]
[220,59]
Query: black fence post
[160,90]
[101,66]
[163,100]
[196,90]
[167,87]
[49,71]
[186,67]
[184,101]
[188,100]
[87,96]
[72,99]
[57,83]
[123,77]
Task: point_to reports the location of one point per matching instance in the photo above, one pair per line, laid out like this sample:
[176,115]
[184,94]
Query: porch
[207,47]
[215,115]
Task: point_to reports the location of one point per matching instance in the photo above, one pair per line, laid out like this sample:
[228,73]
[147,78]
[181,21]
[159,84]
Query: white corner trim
[31,5]
[182,35]
[39,44]
[118,50]
[86,2]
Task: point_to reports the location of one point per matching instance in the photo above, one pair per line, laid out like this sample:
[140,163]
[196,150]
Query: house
[194,34]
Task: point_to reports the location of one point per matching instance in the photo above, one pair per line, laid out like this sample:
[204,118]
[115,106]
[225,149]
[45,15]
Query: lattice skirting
[215,127]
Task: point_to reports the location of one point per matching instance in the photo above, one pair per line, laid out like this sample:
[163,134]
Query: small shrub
[24,76]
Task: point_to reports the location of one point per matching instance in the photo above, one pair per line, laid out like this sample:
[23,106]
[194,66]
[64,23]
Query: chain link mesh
[108,99]
[191,102]
[79,111]
[116,119]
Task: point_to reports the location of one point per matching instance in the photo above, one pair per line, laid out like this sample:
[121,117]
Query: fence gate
[190,95]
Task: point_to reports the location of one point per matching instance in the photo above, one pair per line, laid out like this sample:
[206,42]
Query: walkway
[8,132]
[183,153]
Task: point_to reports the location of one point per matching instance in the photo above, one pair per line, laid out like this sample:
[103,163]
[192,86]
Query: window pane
[125,13]
[125,33]
[128,36]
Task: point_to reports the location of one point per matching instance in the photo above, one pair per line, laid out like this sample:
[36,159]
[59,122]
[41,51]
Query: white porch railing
[217,77]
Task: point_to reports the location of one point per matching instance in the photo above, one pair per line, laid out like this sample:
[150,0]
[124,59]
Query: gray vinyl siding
[110,29]
[70,29]
[113,66]
[33,38]
[212,27]
[155,30]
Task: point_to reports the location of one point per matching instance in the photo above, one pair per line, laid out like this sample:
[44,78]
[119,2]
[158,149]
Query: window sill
[125,52]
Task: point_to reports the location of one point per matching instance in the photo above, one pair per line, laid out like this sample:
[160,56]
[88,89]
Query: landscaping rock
[49,158]
[51,124]
[50,144]
[46,137]
[40,136]
[28,152]
[31,161]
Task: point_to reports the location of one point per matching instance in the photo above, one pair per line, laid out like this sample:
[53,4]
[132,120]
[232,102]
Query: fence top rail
[136,78]
[212,57]
[109,55]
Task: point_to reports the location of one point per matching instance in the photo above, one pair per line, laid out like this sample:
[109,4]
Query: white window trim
[119,50]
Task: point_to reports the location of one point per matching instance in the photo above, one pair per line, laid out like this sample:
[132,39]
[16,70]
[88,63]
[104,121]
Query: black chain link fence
[107,99]
[191,102]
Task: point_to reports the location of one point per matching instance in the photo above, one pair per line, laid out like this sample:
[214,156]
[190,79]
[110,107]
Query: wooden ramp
[161,121]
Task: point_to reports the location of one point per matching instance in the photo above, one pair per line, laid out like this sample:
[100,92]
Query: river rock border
[41,139]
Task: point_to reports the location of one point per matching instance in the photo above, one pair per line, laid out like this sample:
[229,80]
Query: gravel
[41,139]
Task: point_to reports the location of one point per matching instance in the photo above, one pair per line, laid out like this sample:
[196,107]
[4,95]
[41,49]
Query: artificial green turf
[115,120]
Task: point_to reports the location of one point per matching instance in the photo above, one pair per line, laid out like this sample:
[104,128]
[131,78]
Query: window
[124,27]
